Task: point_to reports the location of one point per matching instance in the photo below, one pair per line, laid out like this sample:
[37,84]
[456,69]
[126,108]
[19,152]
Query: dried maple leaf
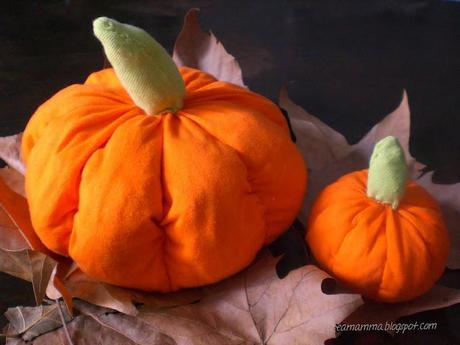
[327,152]
[17,241]
[30,322]
[374,312]
[198,49]
[13,179]
[256,307]
[41,266]
[121,299]
[133,328]
[29,265]
[329,156]
[253,307]
[101,326]
[16,208]
[10,151]
[10,238]
[448,197]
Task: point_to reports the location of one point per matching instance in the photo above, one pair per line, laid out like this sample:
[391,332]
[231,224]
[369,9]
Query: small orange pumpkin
[183,197]
[378,233]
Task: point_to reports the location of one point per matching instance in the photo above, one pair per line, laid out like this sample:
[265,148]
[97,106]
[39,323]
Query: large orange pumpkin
[182,197]
[378,233]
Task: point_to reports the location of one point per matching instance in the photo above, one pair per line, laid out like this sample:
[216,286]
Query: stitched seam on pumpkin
[76,210]
[427,246]
[83,166]
[385,266]
[335,255]
[240,157]
[252,191]
[165,235]
[166,267]
[355,224]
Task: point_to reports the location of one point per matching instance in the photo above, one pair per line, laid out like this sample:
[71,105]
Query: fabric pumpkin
[379,233]
[183,197]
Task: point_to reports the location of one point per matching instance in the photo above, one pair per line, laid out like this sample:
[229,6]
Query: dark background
[345,62]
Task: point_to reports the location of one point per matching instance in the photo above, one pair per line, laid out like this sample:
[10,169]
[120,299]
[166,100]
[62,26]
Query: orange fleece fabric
[160,202]
[385,254]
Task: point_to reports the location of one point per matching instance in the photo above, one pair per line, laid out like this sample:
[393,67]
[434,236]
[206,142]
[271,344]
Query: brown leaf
[14,248]
[198,49]
[41,266]
[85,330]
[319,144]
[14,180]
[328,154]
[448,197]
[10,152]
[30,322]
[133,328]
[12,194]
[29,265]
[121,299]
[16,208]
[17,238]
[374,312]
[397,123]
[256,307]
[252,307]
[16,263]
[10,237]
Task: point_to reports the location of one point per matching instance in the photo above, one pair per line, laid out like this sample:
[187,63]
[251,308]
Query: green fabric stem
[388,172]
[142,65]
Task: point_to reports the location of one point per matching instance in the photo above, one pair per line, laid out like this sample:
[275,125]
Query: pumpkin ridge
[166,201]
[117,95]
[379,287]
[396,215]
[418,234]
[410,189]
[132,123]
[72,233]
[68,216]
[166,205]
[407,213]
[252,228]
[334,258]
[68,92]
[374,288]
[230,99]
[242,160]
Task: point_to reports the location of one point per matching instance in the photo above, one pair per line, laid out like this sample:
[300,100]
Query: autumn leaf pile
[255,306]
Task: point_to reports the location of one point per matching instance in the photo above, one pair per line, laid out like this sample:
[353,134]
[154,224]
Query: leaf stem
[64,324]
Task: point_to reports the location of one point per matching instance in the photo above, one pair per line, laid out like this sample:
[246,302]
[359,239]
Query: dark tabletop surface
[345,62]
